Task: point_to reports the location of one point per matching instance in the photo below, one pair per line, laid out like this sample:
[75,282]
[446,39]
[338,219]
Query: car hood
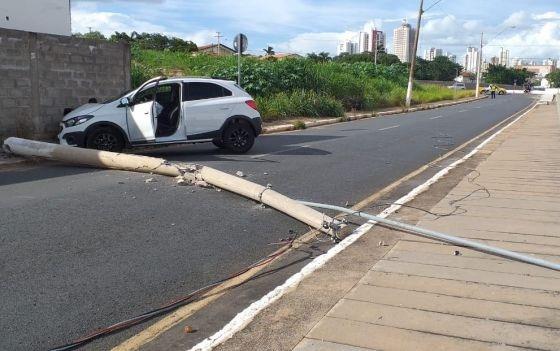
[82,110]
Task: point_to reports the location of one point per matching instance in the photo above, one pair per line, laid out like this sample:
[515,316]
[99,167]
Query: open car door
[140,116]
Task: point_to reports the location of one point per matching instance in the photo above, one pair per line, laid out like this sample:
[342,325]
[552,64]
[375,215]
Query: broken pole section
[191,173]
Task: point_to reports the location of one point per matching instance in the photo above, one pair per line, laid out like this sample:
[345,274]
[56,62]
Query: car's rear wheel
[238,137]
[106,139]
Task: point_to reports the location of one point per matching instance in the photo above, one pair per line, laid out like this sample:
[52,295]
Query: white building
[403,42]
[470,60]
[504,58]
[363,43]
[431,53]
[451,57]
[42,16]
[550,62]
[347,47]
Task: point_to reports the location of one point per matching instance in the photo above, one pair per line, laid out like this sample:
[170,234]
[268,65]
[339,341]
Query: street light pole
[413,60]
[478,69]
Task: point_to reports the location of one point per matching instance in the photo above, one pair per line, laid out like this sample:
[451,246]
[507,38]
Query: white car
[167,111]
[457,85]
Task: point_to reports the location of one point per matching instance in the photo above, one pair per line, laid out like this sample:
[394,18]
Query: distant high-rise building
[470,60]
[432,53]
[550,62]
[363,42]
[504,57]
[495,60]
[347,47]
[403,42]
[377,40]
[451,57]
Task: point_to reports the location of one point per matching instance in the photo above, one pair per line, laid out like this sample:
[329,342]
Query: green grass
[296,87]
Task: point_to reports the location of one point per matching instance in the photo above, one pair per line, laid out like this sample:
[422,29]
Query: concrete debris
[265,173]
[202,183]
[150,180]
[240,174]
[381,243]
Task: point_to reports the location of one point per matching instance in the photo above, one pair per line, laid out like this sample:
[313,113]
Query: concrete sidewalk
[418,294]
[422,296]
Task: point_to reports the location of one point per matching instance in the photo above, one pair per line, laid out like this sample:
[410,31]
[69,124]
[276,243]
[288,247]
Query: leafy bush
[299,103]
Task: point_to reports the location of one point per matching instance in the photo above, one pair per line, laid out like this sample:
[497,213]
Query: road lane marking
[391,127]
[242,319]
[436,117]
[279,151]
[462,111]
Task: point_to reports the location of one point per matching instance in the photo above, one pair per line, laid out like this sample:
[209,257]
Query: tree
[554,78]
[91,35]
[320,57]
[387,59]
[499,74]
[269,51]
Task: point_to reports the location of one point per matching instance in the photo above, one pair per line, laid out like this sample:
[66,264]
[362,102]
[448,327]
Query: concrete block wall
[41,74]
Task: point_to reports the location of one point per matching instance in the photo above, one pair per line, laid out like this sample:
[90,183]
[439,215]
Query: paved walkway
[423,296]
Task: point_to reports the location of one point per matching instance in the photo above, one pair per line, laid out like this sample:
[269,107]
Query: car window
[167,94]
[200,91]
[144,95]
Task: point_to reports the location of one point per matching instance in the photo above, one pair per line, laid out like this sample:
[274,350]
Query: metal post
[374,42]
[239,60]
[478,69]
[413,60]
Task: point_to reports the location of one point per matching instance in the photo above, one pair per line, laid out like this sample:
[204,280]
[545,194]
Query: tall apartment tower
[364,43]
[432,53]
[377,39]
[470,62]
[504,58]
[403,41]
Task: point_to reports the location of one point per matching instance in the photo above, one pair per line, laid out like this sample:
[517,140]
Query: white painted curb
[242,319]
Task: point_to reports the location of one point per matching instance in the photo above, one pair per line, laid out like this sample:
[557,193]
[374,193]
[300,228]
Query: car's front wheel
[218,143]
[238,137]
[105,139]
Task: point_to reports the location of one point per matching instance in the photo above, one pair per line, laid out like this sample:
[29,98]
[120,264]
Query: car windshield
[118,97]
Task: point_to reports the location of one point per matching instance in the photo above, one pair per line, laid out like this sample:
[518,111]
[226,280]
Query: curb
[322,122]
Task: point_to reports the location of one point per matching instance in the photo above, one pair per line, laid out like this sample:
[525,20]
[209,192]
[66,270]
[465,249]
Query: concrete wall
[41,74]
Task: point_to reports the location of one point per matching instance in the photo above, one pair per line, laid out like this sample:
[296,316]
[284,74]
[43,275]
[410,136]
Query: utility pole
[413,60]
[218,35]
[478,68]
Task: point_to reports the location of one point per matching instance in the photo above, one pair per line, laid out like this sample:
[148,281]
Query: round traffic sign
[240,39]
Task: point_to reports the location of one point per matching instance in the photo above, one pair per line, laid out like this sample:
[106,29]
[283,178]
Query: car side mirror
[125,101]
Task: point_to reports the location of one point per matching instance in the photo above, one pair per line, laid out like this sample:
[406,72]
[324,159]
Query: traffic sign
[240,41]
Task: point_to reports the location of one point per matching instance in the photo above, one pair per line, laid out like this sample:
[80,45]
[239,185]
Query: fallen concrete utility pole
[192,173]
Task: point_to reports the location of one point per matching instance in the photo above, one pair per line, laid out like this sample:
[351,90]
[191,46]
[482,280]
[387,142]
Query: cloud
[516,19]
[550,15]
[110,22]
[315,42]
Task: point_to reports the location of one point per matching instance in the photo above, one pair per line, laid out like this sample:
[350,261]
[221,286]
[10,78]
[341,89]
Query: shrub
[300,103]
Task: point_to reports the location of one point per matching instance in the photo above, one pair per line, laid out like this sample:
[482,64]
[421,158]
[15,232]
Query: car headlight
[74,121]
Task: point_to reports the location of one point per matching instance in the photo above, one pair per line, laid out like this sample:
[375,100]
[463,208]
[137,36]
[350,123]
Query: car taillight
[252,104]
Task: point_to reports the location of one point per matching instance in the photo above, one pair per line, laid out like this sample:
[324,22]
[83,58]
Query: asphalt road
[82,248]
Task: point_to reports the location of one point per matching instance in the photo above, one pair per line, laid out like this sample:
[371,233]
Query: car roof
[197,79]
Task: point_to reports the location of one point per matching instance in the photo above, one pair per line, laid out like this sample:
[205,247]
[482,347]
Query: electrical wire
[171,305]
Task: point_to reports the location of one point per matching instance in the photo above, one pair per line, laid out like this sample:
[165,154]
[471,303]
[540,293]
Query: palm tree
[269,51]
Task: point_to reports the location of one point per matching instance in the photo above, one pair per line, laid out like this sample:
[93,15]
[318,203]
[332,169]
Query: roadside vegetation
[316,86]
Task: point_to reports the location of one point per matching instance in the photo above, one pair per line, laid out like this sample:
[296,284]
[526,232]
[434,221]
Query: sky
[304,26]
